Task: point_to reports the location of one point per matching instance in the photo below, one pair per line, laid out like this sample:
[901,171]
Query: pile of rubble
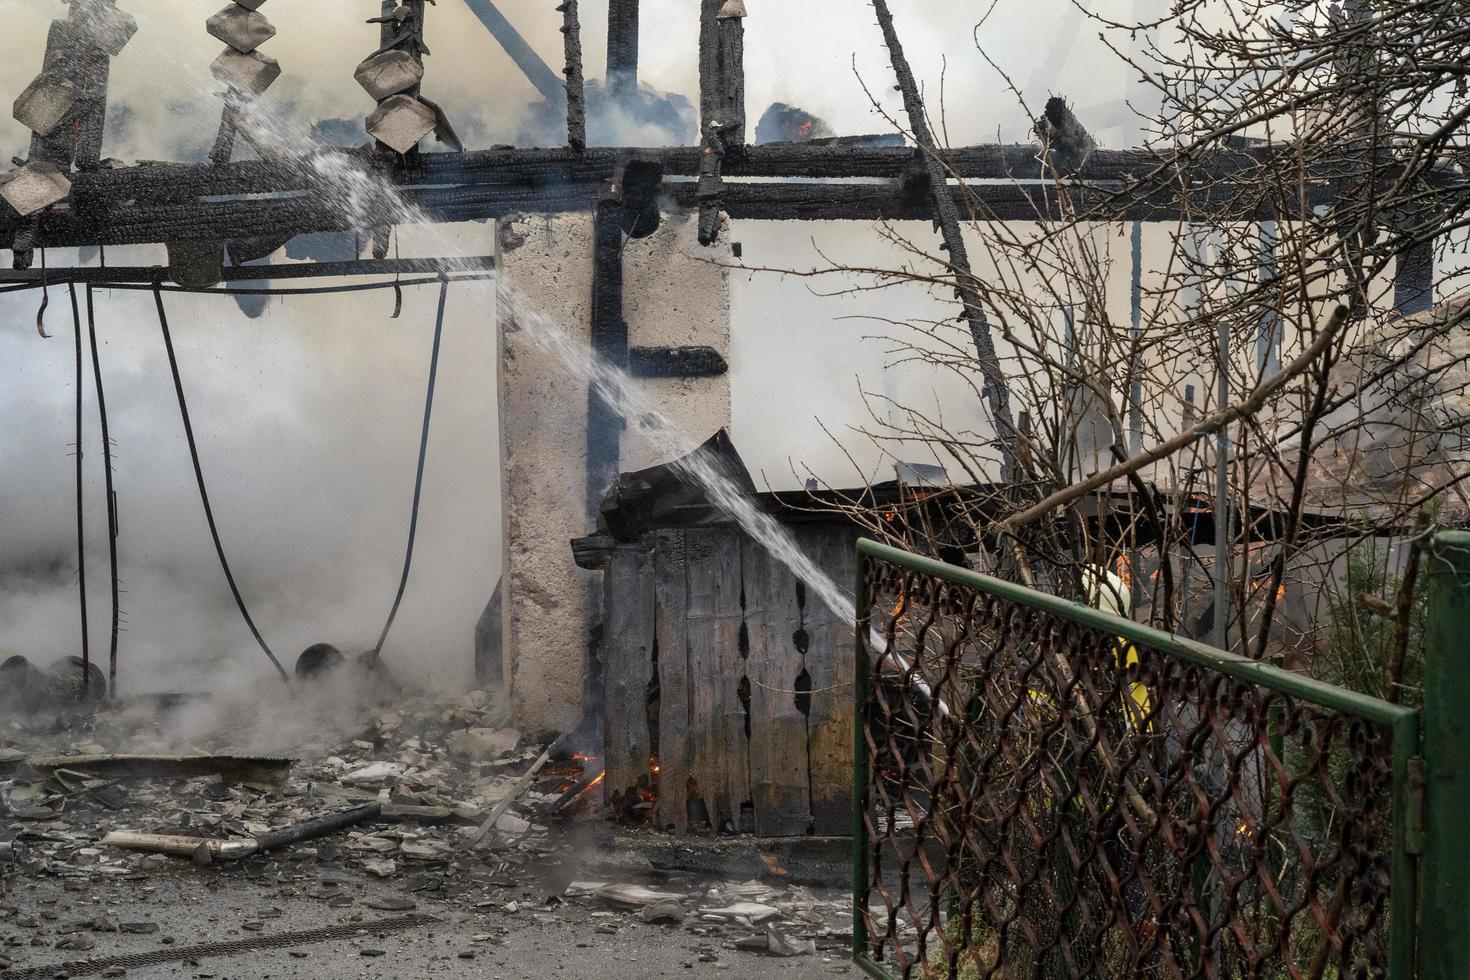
[426,803]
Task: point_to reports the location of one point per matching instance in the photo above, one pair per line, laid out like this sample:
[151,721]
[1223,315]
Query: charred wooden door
[747,725]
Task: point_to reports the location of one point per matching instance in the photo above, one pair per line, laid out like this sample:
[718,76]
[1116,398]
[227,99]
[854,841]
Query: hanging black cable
[111,496]
[418,485]
[219,549]
[76,319]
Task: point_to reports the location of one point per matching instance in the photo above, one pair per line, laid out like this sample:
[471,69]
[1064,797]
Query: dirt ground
[195,906]
[481,874]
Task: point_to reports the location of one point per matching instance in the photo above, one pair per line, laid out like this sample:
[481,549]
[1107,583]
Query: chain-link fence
[1047,791]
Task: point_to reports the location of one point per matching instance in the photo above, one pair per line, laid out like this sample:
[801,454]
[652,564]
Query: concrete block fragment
[45,103]
[244,30]
[400,122]
[251,4]
[389,73]
[251,73]
[34,187]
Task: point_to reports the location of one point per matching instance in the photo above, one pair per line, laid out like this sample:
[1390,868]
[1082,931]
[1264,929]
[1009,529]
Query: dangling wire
[418,486]
[219,548]
[45,300]
[111,495]
[76,319]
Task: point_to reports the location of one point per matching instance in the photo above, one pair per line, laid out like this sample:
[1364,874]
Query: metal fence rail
[1046,790]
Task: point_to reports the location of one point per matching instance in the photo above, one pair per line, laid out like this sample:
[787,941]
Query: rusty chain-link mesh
[1049,800]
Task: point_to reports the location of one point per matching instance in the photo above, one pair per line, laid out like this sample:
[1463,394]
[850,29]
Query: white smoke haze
[308,417]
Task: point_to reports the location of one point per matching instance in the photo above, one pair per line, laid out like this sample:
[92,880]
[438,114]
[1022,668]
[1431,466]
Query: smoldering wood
[676,362]
[629,634]
[576,94]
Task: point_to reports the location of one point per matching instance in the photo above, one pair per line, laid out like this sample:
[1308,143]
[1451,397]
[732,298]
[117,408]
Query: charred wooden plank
[676,362]
[778,728]
[720,750]
[609,341]
[675,722]
[627,665]
[831,669]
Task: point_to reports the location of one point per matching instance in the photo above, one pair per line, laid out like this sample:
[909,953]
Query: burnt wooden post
[1413,279]
[721,103]
[628,638]
[609,339]
[622,49]
[947,217]
[571,27]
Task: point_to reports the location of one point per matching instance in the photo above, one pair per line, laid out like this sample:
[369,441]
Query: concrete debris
[34,187]
[401,121]
[483,743]
[405,763]
[249,74]
[244,30]
[43,104]
[389,73]
[375,774]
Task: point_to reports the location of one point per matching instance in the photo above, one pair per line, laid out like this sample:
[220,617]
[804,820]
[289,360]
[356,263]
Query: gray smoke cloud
[308,416]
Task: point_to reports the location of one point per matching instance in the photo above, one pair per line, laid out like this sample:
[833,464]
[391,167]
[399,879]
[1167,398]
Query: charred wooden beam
[537,71]
[722,103]
[1413,279]
[535,167]
[116,275]
[609,341]
[676,362]
[571,27]
[947,217]
[106,221]
[622,48]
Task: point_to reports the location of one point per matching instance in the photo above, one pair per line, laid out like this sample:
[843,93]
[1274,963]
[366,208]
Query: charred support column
[1413,280]
[622,49]
[571,26]
[947,217]
[609,345]
[721,103]
[676,299]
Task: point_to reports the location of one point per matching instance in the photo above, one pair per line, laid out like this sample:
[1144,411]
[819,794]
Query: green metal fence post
[1444,904]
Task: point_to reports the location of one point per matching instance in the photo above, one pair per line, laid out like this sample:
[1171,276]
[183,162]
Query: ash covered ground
[407,893]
